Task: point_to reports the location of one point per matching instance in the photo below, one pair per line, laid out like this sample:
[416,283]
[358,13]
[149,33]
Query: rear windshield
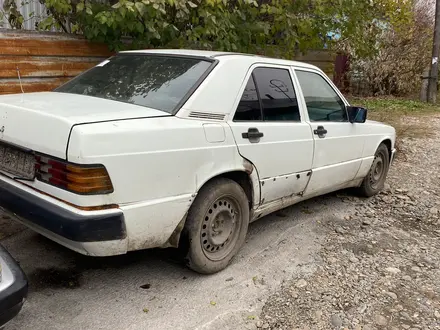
[158,82]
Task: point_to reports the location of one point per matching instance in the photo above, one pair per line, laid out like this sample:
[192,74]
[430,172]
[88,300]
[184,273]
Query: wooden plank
[43,66]
[40,85]
[35,46]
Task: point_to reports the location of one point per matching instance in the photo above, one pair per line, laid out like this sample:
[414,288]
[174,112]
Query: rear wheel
[375,179]
[216,226]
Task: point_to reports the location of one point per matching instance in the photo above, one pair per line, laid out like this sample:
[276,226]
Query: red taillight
[80,179]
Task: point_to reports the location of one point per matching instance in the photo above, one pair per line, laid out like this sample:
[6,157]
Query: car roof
[220,56]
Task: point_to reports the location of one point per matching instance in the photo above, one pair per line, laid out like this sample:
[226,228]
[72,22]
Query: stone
[340,230]
[259,324]
[392,295]
[392,270]
[416,269]
[265,326]
[380,320]
[302,283]
[362,309]
[336,321]
[366,222]
[437,314]
[353,259]
[405,315]
[332,260]
[433,211]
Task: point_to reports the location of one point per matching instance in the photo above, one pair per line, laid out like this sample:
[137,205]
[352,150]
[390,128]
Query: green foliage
[10,11]
[274,27]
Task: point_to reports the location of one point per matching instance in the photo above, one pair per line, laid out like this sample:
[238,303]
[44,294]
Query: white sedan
[180,148]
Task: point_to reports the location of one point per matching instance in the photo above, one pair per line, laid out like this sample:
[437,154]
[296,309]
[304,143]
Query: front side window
[154,81]
[323,103]
[269,91]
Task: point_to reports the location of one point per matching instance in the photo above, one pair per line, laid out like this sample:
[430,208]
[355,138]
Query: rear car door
[271,133]
[338,143]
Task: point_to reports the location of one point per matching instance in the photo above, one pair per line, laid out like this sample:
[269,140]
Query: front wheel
[216,226]
[375,179]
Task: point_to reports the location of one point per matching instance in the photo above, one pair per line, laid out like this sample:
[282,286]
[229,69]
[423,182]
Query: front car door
[338,143]
[271,133]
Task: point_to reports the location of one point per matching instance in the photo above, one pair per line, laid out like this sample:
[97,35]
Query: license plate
[18,163]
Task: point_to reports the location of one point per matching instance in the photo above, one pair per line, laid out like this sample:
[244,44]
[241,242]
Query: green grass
[397,111]
[396,106]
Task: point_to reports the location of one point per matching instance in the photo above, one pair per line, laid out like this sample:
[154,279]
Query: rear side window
[269,95]
[158,82]
[277,95]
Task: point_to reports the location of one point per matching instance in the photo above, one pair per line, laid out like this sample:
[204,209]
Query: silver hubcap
[220,228]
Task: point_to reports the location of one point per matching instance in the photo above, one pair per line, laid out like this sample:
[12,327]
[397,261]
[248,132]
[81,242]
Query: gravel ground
[334,262]
[379,266]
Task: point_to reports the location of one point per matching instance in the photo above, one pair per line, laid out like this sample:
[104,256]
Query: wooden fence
[46,60]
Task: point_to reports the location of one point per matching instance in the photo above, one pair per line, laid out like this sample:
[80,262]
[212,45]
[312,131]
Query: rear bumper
[13,288]
[97,233]
[74,226]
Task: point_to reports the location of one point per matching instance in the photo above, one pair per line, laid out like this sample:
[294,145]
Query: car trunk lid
[42,121]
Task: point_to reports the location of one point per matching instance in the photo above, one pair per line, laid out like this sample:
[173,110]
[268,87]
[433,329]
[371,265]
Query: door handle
[320,131]
[252,133]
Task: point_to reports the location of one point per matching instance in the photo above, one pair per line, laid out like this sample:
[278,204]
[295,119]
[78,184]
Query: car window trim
[190,92]
[260,102]
[267,66]
[332,86]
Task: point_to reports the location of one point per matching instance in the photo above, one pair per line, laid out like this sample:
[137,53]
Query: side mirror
[356,114]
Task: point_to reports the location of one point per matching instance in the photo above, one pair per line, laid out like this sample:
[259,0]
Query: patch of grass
[397,111]
[396,105]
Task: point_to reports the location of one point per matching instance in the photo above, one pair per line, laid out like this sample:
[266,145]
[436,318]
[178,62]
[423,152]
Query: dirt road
[329,263]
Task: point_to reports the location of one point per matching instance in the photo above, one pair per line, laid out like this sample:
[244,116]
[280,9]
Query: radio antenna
[19,79]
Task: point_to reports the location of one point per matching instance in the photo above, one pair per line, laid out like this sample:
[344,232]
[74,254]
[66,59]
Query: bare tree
[403,56]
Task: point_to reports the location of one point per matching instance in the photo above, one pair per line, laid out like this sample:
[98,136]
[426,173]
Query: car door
[271,133]
[338,143]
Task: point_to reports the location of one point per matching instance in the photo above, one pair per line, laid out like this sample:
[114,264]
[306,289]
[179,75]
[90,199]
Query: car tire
[216,226]
[374,182]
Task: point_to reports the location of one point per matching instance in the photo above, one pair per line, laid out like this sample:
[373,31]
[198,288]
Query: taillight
[79,179]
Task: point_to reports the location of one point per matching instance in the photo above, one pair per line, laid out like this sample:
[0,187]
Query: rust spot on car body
[248,167]
[174,239]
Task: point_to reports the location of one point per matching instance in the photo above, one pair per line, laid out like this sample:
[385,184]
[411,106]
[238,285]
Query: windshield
[154,81]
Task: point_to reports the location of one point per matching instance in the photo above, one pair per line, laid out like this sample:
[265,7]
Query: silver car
[13,287]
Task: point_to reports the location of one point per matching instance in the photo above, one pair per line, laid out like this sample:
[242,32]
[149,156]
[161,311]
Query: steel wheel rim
[221,228]
[377,170]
